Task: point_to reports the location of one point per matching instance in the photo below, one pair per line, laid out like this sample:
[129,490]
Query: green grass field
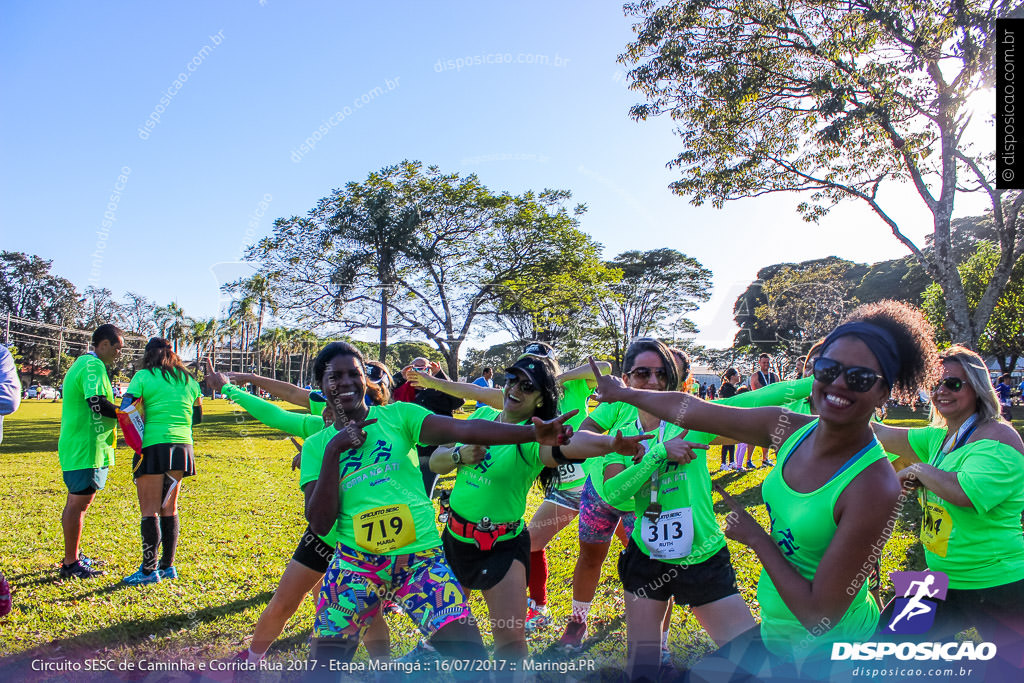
[241,518]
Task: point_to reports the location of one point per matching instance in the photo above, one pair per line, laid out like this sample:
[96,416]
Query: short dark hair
[338,348]
[109,332]
[764,355]
[487,369]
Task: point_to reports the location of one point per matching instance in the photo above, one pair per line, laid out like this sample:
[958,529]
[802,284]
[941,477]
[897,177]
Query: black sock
[150,542]
[169,532]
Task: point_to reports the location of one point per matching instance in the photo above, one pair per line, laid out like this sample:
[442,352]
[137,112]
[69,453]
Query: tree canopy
[837,100]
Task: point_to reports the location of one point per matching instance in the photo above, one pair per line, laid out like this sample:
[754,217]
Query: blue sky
[81,80]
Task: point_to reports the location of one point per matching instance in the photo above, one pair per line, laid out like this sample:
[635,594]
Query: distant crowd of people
[635,467]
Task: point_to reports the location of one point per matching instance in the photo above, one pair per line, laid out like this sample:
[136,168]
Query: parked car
[46,392]
[32,391]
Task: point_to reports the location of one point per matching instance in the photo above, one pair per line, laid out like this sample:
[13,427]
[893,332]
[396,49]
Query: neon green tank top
[802,525]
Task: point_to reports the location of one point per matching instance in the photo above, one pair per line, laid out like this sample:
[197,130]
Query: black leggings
[728,453]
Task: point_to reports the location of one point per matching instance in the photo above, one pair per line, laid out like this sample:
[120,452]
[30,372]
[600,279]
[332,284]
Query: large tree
[469,243]
[1003,337]
[838,100]
[656,290]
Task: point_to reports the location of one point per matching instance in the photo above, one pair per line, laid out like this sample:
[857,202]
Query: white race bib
[670,537]
[570,473]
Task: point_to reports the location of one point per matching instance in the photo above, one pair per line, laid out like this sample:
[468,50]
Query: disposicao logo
[914,607]
[914,612]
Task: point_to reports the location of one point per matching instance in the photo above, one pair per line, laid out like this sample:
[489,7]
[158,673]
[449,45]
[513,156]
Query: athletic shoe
[572,640]
[5,596]
[167,574]
[536,617]
[78,571]
[140,578]
[767,463]
[723,468]
[89,561]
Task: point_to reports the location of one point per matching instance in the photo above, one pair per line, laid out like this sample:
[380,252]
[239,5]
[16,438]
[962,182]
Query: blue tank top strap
[856,456]
[847,465]
[810,427]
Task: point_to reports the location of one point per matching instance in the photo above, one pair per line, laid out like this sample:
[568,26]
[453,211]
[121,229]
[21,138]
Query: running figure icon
[914,606]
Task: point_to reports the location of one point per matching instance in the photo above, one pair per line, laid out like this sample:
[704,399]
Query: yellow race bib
[936,526]
[384,529]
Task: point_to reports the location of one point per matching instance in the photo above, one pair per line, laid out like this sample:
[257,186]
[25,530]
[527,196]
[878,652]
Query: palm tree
[242,311]
[172,323]
[257,292]
[203,333]
[227,329]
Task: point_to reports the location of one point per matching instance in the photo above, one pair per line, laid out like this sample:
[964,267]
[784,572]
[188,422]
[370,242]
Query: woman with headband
[829,500]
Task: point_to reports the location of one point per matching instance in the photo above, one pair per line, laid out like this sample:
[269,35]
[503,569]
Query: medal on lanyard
[953,442]
[653,510]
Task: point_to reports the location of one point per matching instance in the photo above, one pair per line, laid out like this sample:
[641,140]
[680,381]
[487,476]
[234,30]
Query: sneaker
[723,468]
[168,574]
[5,596]
[767,463]
[78,571]
[572,640]
[140,578]
[89,561]
[536,617]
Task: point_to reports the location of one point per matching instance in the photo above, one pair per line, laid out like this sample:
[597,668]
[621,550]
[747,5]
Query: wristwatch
[456,455]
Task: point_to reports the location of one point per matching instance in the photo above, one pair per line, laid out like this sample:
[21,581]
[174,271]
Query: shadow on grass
[83,646]
[750,497]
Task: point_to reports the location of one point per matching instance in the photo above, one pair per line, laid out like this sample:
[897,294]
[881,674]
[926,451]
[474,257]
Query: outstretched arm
[464,390]
[438,429]
[758,426]
[283,390]
[585,372]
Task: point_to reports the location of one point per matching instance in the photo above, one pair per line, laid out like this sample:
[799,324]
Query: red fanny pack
[483,533]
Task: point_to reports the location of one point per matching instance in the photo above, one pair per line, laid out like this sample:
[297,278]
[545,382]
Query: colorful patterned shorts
[358,583]
[598,519]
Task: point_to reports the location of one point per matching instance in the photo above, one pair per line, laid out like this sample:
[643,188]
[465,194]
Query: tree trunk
[383,350]
[259,333]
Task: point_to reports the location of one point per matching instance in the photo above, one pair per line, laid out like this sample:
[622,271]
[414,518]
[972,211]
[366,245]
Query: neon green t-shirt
[577,392]
[977,547]
[383,508]
[86,439]
[803,525]
[687,531]
[497,486]
[166,404]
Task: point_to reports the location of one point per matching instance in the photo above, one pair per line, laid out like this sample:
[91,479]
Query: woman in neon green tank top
[968,469]
[833,492]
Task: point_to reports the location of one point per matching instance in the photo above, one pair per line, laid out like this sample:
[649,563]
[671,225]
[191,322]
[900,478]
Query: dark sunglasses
[857,378]
[954,384]
[644,374]
[525,385]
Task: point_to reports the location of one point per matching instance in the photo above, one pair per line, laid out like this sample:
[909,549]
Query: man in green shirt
[87,437]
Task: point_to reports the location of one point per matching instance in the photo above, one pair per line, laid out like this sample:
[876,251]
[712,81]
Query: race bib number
[935,529]
[670,536]
[570,473]
[384,529]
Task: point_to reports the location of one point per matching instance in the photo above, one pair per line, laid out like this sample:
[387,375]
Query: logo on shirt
[917,596]
[783,537]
